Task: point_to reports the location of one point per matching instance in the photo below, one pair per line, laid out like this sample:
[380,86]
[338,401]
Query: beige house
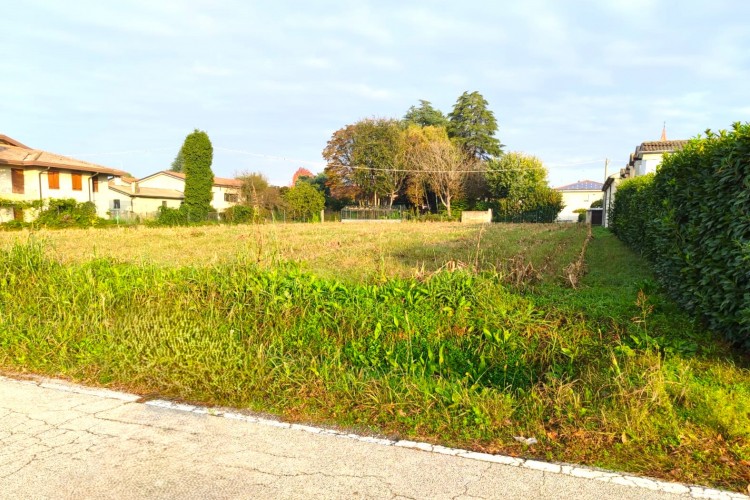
[28,174]
[646,158]
[580,194]
[144,196]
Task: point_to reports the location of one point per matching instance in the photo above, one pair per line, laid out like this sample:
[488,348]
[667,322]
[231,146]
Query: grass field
[439,332]
[353,252]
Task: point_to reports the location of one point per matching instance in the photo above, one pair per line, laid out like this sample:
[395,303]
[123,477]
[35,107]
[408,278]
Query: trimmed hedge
[692,220]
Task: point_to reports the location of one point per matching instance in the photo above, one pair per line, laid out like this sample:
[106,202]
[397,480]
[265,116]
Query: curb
[578,471]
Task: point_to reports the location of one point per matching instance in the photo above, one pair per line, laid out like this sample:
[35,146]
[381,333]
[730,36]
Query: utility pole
[606,169]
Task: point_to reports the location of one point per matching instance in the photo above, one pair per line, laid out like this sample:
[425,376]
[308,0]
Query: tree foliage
[366,161]
[473,125]
[304,201]
[515,175]
[425,115]
[197,154]
[441,162]
[178,162]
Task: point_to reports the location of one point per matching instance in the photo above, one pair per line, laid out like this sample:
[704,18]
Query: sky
[572,82]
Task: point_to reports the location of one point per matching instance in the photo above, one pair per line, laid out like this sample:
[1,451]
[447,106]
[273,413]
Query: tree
[177,163]
[304,201]
[442,162]
[197,154]
[378,153]
[366,161]
[518,184]
[515,175]
[474,126]
[425,115]
[339,171]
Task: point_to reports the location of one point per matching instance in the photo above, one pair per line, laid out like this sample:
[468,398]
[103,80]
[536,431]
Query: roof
[14,153]
[661,146]
[582,186]
[143,192]
[218,181]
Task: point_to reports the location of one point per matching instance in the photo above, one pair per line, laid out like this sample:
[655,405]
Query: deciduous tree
[304,201]
[515,175]
[442,162]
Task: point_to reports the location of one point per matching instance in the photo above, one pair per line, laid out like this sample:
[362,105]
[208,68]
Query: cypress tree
[197,155]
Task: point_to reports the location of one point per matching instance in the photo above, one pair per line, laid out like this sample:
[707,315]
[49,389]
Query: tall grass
[450,357]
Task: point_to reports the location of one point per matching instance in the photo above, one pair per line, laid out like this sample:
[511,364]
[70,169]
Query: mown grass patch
[609,374]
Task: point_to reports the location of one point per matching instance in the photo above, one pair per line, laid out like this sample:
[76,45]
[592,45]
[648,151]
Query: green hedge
[692,220]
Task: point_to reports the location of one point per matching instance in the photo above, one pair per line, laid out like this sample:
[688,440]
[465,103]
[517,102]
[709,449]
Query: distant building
[301,172]
[645,159]
[580,194]
[143,197]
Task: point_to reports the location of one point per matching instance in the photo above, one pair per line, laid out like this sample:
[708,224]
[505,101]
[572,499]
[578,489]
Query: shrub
[240,214]
[692,220]
[67,212]
[540,205]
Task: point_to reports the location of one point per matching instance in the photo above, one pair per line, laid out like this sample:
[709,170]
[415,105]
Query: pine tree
[474,126]
[197,155]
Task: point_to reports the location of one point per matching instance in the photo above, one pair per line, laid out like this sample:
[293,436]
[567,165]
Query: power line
[320,164]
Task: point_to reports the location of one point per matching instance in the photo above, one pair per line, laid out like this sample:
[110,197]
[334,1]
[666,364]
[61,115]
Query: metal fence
[395,213]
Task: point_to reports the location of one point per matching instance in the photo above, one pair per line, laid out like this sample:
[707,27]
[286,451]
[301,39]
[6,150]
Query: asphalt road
[59,440]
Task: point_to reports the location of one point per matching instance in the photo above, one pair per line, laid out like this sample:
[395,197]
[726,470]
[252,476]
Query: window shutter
[95,183]
[53,179]
[16,175]
[77,181]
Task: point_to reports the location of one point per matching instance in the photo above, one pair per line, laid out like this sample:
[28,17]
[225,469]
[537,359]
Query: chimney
[134,187]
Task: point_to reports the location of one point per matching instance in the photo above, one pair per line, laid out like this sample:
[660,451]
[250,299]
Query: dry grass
[346,251]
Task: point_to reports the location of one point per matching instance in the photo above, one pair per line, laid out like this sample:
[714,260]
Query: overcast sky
[122,83]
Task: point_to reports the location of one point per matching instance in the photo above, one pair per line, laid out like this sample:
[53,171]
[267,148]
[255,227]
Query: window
[53,179]
[115,204]
[95,183]
[16,175]
[77,181]
[164,203]
[231,197]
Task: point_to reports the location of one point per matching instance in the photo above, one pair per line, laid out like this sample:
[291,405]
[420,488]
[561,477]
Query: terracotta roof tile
[218,181]
[26,157]
[661,146]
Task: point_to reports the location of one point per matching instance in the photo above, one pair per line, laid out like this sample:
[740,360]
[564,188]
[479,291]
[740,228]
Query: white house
[580,194]
[144,196]
[28,174]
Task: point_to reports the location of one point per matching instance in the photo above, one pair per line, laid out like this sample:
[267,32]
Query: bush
[240,214]
[67,212]
[692,220]
[540,205]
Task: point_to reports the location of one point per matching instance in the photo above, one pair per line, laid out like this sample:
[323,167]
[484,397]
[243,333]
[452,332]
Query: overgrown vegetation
[610,374]
[691,220]
[55,213]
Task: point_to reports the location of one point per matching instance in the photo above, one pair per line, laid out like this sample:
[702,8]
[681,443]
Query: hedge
[692,220]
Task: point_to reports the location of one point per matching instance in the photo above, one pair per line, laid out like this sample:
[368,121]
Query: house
[144,196]
[28,174]
[645,159]
[580,194]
